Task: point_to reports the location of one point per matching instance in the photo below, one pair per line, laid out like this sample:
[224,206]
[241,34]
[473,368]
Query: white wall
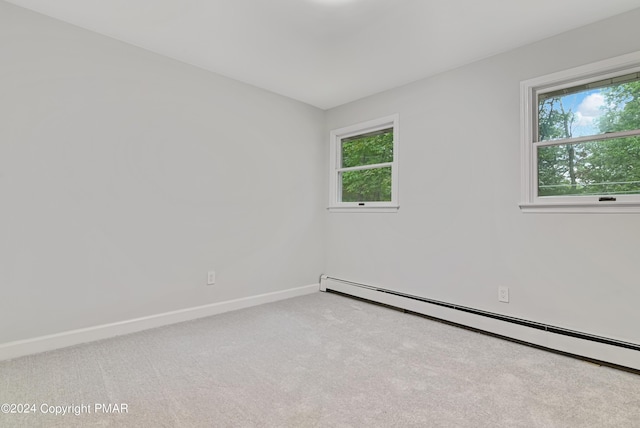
[125,176]
[459,233]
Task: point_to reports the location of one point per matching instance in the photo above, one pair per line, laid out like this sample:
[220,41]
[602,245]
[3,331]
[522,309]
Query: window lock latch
[607,199]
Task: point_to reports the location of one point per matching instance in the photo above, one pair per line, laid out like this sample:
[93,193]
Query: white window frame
[335,165]
[529,89]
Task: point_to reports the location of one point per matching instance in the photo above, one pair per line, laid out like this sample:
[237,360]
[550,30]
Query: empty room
[319,213]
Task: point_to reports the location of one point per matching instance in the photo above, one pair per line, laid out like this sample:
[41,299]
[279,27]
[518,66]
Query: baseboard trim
[50,342]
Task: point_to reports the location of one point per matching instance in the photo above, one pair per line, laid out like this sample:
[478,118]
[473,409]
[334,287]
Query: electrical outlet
[503,294]
[211,277]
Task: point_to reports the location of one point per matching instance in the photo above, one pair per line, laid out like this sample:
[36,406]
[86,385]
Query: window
[364,166]
[581,139]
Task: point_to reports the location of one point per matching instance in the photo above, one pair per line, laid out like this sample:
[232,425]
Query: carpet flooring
[320,360]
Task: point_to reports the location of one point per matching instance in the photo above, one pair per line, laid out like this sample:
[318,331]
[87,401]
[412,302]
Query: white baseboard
[74,337]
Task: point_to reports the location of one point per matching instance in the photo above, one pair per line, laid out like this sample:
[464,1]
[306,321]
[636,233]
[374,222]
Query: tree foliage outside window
[592,166]
[373,184]
[364,166]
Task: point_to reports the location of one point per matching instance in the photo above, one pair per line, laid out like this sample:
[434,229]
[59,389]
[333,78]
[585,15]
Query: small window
[364,172]
[581,139]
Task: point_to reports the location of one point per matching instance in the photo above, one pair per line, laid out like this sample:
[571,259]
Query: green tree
[610,166]
[556,164]
[621,108]
[370,184]
[614,165]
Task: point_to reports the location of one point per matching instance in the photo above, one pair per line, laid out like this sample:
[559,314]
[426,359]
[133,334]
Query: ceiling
[328,52]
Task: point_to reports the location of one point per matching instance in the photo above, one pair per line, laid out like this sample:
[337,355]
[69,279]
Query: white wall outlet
[503,294]
[211,277]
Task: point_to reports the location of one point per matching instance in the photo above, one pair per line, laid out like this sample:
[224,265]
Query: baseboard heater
[493,315]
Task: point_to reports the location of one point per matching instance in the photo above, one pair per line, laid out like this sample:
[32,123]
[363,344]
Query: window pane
[607,106]
[369,185]
[609,167]
[368,149]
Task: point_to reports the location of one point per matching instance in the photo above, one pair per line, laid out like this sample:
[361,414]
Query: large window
[581,139]
[364,172]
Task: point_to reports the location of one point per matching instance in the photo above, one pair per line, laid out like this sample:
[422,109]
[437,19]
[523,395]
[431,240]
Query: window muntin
[364,165]
[581,138]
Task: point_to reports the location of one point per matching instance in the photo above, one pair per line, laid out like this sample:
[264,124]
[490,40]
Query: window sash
[598,84]
[598,137]
[576,87]
[577,140]
[584,169]
[338,136]
[363,167]
[358,191]
[531,90]
[357,136]
[571,199]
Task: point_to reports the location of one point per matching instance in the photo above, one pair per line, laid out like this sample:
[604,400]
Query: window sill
[582,208]
[387,209]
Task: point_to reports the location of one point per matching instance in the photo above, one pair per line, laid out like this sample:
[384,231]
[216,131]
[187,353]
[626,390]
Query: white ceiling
[328,52]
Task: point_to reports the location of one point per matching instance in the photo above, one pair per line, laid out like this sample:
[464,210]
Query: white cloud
[589,109]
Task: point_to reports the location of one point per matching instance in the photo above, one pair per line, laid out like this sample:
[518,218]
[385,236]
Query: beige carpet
[321,360]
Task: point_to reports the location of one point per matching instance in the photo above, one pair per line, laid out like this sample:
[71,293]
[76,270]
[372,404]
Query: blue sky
[586,106]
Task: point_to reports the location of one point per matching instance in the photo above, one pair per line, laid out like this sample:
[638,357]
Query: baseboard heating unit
[594,348]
